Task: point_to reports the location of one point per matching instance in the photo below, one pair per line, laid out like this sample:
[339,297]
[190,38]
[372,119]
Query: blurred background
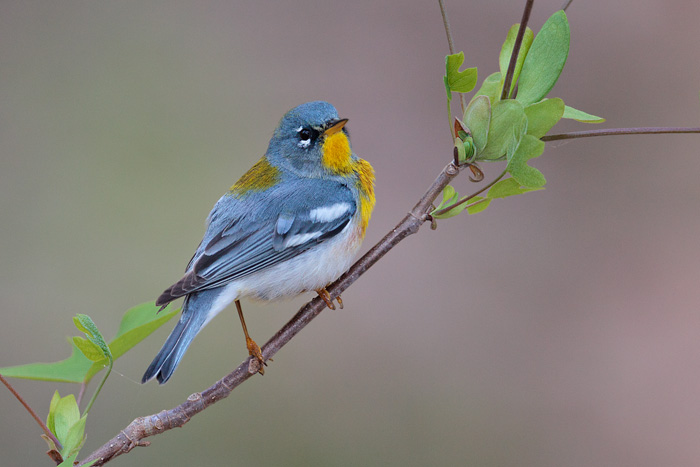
[560,328]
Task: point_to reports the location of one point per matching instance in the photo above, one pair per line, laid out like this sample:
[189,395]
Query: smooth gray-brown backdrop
[561,328]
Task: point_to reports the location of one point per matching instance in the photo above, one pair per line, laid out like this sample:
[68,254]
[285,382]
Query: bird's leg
[340,302]
[253,348]
[326,297]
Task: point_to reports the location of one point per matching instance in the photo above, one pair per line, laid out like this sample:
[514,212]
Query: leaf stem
[81,393]
[567,4]
[99,388]
[41,423]
[477,202]
[467,198]
[620,131]
[505,92]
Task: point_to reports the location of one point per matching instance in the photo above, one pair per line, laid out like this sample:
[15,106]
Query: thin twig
[81,393]
[620,131]
[467,198]
[516,50]
[448,30]
[143,427]
[451,45]
[41,423]
[567,4]
[99,388]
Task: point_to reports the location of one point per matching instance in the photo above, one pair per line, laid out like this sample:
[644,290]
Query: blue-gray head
[297,144]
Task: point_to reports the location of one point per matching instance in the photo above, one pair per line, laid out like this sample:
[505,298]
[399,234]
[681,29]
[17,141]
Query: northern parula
[293,223]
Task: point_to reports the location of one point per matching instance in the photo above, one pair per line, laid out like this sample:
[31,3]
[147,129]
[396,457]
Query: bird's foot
[255,352]
[326,297]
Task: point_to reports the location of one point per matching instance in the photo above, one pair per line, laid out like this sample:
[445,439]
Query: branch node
[253,366]
[128,444]
[161,419]
[420,218]
[55,456]
[432,220]
[451,169]
[228,388]
[477,172]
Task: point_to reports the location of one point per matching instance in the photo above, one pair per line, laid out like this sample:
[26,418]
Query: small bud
[459,152]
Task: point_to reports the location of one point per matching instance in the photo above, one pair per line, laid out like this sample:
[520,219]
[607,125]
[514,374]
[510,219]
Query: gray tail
[164,364]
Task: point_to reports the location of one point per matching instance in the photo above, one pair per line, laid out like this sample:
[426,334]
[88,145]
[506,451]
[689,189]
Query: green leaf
[469,149]
[477,117]
[491,88]
[70,370]
[449,196]
[545,60]
[507,121]
[89,349]
[50,420]
[478,204]
[84,323]
[65,415]
[508,187]
[75,438]
[136,325]
[70,461]
[581,116]
[519,130]
[542,116]
[458,81]
[529,148]
[452,212]
[507,51]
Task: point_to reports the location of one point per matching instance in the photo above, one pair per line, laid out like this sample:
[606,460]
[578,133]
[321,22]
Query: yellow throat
[337,154]
[337,157]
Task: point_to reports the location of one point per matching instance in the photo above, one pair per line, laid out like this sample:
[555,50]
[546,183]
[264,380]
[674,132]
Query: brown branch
[143,427]
[470,197]
[505,92]
[620,131]
[451,46]
[41,423]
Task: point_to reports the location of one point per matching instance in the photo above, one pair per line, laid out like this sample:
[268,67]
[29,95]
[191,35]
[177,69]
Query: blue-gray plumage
[289,225]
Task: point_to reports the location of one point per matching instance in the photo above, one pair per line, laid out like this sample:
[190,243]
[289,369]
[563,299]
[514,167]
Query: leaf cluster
[507,125]
[90,354]
[136,324]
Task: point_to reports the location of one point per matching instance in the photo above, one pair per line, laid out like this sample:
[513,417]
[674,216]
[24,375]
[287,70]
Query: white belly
[311,270]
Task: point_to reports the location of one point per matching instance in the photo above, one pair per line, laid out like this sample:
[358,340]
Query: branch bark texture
[143,427]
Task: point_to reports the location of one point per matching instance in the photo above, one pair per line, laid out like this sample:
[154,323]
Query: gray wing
[246,236]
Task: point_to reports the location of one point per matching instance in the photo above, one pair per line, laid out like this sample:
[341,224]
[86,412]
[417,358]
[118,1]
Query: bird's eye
[305,134]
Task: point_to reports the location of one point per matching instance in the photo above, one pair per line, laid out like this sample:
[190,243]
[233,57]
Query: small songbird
[293,223]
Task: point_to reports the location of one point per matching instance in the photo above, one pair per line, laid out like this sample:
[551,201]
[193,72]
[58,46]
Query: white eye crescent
[305,137]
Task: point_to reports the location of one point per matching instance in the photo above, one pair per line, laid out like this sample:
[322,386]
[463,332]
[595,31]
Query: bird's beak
[335,127]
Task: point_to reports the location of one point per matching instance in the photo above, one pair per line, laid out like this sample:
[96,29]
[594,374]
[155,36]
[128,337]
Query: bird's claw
[255,352]
[326,297]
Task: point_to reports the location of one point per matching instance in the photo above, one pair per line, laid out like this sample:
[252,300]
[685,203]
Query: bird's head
[310,141]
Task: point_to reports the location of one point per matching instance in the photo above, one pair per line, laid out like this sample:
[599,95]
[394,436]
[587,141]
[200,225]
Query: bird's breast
[337,155]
